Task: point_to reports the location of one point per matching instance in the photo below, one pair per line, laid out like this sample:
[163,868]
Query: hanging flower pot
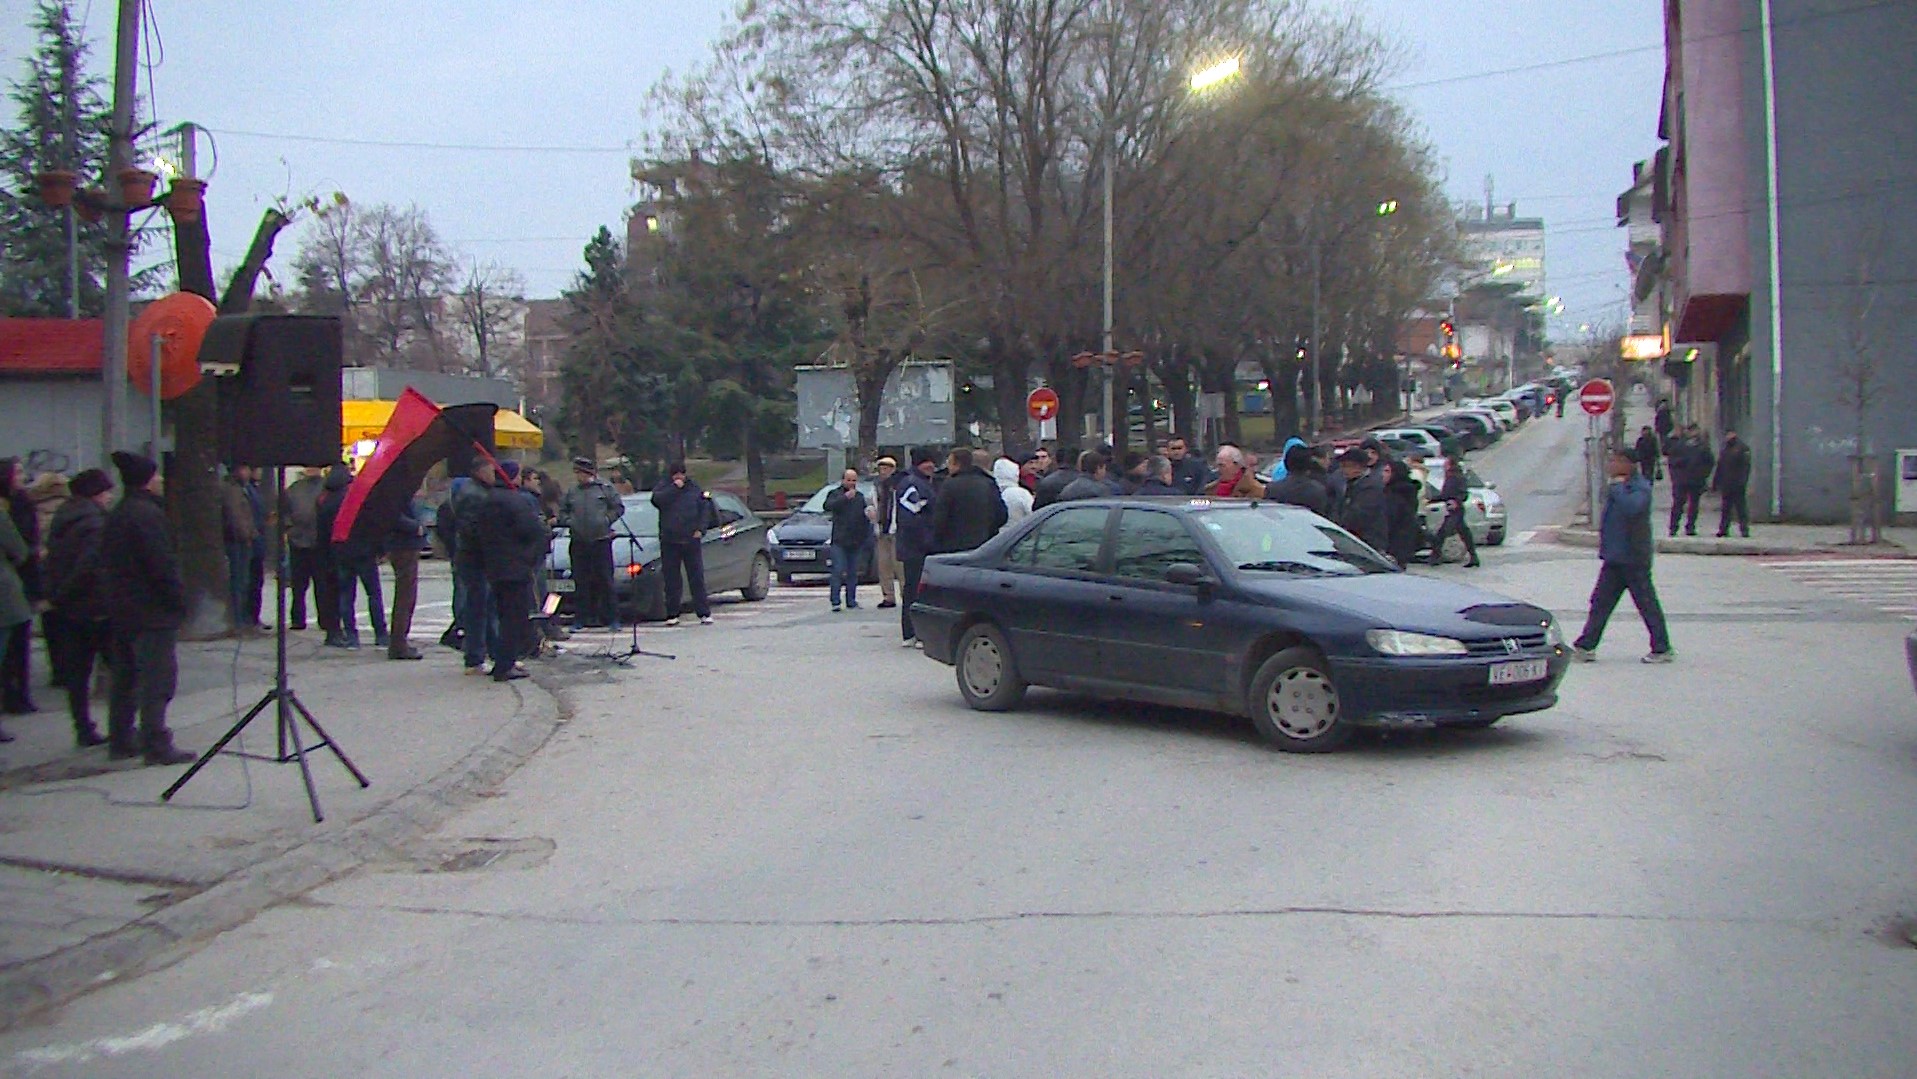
[186,201]
[56,187]
[136,187]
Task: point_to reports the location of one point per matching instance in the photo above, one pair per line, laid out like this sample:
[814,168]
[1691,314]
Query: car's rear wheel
[1494,538]
[760,583]
[987,673]
[1294,703]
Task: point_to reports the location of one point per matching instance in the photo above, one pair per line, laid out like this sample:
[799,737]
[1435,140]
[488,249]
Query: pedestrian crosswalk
[1886,584]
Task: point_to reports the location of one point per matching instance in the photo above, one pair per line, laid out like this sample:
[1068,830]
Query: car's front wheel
[760,583]
[987,674]
[1294,703]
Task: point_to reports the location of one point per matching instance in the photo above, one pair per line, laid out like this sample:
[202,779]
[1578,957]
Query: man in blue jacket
[1625,548]
[912,515]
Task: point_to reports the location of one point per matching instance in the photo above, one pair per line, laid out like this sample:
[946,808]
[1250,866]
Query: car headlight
[1553,634]
[772,536]
[1393,642]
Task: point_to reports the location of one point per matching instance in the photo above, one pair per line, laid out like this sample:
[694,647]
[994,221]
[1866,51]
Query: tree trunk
[1179,393]
[1010,373]
[755,466]
[870,385]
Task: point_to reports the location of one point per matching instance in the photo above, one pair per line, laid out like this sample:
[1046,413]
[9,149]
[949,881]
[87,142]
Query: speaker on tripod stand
[279,406]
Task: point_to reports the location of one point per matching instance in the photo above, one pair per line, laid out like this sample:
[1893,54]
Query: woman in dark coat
[1401,498]
[15,695]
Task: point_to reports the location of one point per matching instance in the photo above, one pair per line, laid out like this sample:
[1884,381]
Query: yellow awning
[362,421]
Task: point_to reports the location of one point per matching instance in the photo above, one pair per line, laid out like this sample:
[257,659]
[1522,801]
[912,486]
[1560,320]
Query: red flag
[419,435]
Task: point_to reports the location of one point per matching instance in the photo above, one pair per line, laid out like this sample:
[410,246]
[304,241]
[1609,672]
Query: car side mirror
[1184,573]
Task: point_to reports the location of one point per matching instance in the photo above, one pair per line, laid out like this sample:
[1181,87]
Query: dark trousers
[17,694]
[245,577]
[1685,498]
[914,568]
[592,580]
[1613,581]
[405,563]
[353,574]
[513,599]
[145,674]
[478,622]
[1453,524]
[302,572]
[842,570]
[73,645]
[1736,504]
[326,590]
[689,558]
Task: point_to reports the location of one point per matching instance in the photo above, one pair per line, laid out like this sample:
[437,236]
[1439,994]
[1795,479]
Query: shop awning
[362,421]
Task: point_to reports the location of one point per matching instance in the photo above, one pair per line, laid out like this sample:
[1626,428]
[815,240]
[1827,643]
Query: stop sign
[1043,403]
[1596,396]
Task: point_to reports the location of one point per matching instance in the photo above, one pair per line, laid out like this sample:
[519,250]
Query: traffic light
[1447,328]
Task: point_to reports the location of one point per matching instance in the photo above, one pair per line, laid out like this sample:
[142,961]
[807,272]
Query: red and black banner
[419,435]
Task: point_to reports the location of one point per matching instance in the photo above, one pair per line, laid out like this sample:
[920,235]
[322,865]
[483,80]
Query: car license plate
[559,584]
[801,556]
[1511,674]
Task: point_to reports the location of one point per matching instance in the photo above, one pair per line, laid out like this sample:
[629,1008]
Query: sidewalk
[100,879]
[1766,539]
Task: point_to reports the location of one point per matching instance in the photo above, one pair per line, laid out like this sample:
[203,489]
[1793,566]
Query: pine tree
[63,122]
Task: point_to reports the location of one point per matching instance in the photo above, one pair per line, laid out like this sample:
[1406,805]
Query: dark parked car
[799,541]
[735,557]
[1239,607]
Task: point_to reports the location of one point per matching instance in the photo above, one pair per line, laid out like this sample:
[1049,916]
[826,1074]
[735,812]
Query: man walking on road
[884,515]
[588,513]
[1625,548]
[916,497]
[968,510]
[1453,494]
[147,608]
[1731,483]
[685,513]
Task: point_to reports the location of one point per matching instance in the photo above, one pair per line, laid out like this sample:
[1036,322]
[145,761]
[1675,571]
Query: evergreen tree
[62,122]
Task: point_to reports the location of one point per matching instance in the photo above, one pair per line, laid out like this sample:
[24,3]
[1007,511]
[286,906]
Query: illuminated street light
[1215,74]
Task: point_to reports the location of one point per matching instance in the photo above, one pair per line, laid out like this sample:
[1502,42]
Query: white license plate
[802,556]
[559,584]
[1511,674]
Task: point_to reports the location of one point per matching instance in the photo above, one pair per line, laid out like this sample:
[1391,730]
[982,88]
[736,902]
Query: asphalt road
[792,851]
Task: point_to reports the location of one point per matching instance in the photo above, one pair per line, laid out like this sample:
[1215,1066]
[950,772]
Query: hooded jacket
[75,584]
[1018,501]
[913,508]
[1281,470]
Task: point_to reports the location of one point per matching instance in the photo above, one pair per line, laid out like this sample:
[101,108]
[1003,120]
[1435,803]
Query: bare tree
[1860,386]
[491,307]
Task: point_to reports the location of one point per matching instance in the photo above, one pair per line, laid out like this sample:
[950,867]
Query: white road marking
[158,1036]
[1888,585]
[1522,538]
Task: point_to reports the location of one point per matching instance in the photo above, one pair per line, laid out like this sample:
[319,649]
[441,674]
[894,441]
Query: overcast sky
[508,122]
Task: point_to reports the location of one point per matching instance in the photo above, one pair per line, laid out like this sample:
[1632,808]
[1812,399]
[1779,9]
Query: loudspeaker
[282,405]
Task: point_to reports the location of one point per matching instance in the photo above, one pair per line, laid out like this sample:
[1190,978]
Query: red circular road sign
[1043,403]
[1596,396]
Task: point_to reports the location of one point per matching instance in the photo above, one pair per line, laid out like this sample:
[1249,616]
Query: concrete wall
[1847,173]
[61,416]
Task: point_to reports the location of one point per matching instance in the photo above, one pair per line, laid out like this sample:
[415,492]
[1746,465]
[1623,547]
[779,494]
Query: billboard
[916,409]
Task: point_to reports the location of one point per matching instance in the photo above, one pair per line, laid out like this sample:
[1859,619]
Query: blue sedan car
[1240,607]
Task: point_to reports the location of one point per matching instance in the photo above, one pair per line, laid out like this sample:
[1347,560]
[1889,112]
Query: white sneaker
[705,620]
[908,642]
[673,621]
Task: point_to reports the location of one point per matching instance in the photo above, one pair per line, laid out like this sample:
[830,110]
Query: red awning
[51,346]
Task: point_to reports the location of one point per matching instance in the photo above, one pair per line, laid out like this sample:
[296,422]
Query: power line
[405,144]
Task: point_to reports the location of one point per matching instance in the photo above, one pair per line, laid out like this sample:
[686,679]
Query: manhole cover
[485,853]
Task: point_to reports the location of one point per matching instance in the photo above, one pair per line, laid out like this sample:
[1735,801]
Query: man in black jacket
[1650,454]
[473,596]
[1161,479]
[685,513]
[1052,484]
[1362,510]
[1453,494]
[1691,463]
[147,606]
[1093,479]
[512,542]
[1731,483]
[1189,474]
[77,628]
[1304,483]
[851,535]
[913,508]
[968,510]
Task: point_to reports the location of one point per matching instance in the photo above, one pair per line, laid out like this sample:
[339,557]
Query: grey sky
[544,98]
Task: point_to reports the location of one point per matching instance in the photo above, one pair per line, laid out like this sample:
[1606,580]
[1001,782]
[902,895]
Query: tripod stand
[283,700]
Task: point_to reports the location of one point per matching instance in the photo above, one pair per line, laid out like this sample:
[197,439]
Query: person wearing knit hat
[76,624]
[146,607]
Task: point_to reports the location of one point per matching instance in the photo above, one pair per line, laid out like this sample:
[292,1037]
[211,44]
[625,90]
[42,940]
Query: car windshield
[641,519]
[816,504]
[1268,539]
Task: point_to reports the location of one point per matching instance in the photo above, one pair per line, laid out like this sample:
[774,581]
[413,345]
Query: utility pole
[126,60]
[1111,383]
[1317,378]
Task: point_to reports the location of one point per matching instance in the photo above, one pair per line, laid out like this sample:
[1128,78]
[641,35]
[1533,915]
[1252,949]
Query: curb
[168,935]
[1582,536]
